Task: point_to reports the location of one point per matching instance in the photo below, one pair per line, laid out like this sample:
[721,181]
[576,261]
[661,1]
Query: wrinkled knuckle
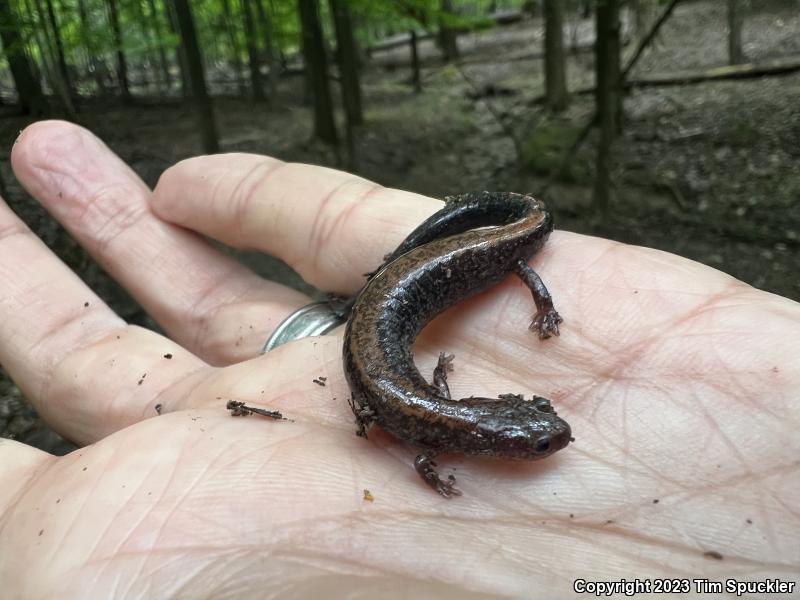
[247,195]
[335,220]
[110,213]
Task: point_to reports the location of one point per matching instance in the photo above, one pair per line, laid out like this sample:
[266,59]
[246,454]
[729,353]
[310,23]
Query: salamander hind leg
[364,415]
[444,365]
[546,320]
[424,466]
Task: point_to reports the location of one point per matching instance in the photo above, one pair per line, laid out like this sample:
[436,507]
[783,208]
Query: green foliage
[87,37]
[381,18]
[376,18]
[285,25]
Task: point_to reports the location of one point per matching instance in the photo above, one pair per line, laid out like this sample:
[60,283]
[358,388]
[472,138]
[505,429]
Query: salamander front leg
[425,467]
[364,416]
[545,321]
[444,365]
[341,306]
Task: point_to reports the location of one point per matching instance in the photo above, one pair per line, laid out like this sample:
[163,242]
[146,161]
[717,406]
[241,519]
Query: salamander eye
[543,444]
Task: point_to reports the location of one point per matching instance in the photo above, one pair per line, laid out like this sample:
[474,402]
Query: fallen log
[781,66]
[508,17]
[777,67]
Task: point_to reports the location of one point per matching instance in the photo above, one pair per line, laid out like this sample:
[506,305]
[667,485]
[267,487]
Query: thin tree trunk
[236,49]
[267,33]
[347,57]
[615,51]
[162,55]
[252,51]
[57,82]
[122,63]
[40,33]
[735,54]
[647,40]
[180,50]
[31,98]
[416,78]
[60,55]
[448,38]
[317,68]
[555,68]
[606,96]
[202,101]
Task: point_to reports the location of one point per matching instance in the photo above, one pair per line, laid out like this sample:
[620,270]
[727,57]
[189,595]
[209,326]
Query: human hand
[681,384]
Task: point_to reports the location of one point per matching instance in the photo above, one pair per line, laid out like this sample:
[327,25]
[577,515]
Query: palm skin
[681,384]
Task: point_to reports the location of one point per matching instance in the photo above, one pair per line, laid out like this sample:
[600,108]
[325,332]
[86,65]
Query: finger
[84,369]
[204,299]
[330,226]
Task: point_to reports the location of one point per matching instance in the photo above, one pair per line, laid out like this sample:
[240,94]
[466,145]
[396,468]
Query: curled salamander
[468,246]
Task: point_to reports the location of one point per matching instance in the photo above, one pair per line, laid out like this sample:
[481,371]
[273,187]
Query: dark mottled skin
[473,243]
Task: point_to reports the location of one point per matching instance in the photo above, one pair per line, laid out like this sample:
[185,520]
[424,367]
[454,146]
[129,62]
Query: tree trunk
[162,55]
[180,50]
[347,56]
[252,51]
[60,55]
[555,68]
[31,98]
[735,54]
[40,34]
[265,24]
[647,39]
[236,49]
[57,83]
[448,38]
[615,61]
[200,97]
[416,78]
[606,96]
[122,63]
[317,68]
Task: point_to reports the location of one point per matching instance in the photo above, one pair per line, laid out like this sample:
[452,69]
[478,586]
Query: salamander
[471,244]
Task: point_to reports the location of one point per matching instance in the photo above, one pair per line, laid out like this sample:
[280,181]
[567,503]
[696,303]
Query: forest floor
[708,171]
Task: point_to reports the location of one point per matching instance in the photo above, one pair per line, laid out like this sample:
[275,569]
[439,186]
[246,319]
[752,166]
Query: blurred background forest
[665,123]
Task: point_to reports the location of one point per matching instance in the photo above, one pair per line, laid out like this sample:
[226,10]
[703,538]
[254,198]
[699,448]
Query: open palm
[681,384]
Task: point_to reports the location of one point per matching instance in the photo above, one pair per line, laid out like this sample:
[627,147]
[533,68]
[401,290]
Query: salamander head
[522,429]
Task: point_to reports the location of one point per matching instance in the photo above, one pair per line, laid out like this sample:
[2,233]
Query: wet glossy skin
[468,246]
